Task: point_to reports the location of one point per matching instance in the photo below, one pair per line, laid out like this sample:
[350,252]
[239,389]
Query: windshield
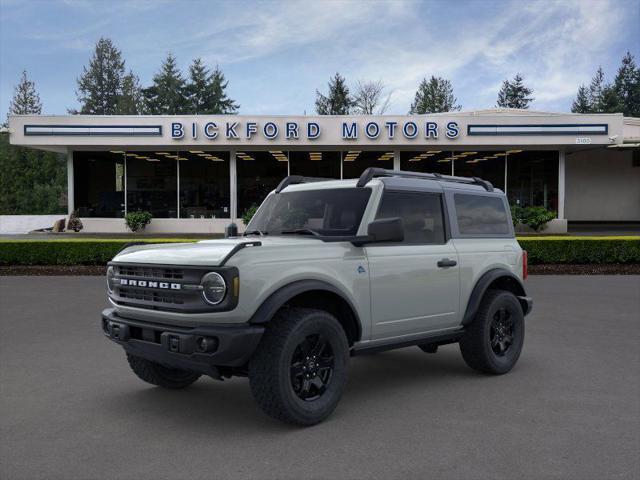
[336,211]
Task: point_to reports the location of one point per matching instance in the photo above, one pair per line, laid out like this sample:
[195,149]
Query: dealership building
[197,173]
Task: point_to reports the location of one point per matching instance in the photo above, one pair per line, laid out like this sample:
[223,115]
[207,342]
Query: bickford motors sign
[294,130]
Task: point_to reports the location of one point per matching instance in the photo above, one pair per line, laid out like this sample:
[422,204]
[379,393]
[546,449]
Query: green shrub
[534,217]
[582,250]
[65,252]
[76,251]
[537,217]
[137,220]
[249,213]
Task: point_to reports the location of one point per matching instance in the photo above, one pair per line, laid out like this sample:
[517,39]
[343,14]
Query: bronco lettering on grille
[148,284]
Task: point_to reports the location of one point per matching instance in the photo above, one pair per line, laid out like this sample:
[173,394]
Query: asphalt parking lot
[71,409]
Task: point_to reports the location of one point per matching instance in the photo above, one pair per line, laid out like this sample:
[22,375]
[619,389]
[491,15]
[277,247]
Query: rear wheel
[493,341]
[299,370]
[157,374]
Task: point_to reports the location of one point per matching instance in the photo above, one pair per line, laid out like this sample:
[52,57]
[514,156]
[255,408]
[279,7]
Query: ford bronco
[326,270]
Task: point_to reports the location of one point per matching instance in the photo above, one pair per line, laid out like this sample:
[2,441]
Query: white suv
[326,270]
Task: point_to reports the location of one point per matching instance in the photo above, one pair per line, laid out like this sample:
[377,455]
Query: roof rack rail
[373,172]
[297,179]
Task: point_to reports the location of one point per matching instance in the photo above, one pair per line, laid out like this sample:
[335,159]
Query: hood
[206,252]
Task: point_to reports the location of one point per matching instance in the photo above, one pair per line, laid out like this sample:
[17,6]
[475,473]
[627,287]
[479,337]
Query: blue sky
[275,54]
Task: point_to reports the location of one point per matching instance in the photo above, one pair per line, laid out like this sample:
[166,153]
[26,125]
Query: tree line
[106,88]
[33,181]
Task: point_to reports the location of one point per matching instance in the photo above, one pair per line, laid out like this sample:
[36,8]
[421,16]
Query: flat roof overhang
[379,132]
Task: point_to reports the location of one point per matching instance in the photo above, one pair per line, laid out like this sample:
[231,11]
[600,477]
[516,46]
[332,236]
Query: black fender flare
[515,285]
[277,299]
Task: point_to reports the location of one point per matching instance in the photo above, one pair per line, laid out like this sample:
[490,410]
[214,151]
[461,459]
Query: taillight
[525,265]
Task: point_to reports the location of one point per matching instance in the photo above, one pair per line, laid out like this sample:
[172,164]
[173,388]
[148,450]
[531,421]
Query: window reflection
[429,160]
[99,184]
[152,183]
[204,184]
[354,162]
[315,164]
[258,173]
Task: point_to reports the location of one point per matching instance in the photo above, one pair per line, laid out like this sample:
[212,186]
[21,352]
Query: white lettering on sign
[583,141]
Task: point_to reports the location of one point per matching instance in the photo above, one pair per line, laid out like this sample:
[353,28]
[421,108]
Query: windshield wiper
[255,232]
[300,231]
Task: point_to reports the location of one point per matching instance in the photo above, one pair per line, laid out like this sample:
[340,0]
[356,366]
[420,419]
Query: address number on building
[583,141]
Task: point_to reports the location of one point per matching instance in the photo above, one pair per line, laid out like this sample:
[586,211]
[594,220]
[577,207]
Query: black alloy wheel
[312,367]
[501,333]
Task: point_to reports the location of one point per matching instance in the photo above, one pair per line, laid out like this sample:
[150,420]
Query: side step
[433,339]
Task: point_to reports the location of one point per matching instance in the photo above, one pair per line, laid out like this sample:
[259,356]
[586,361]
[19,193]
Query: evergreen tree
[167,95]
[596,91]
[338,101]
[206,91]
[434,95]
[514,94]
[218,100]
[31,181]
[130,101]
[196,89]
[581,104]
[25,99]
[627,86]
[100,85]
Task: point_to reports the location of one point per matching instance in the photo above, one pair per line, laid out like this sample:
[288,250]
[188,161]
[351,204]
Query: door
[414,284]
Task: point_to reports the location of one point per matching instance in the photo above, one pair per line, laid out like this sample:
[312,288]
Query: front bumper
[182,347]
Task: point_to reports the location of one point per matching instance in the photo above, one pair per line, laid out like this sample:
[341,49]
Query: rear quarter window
[481,215]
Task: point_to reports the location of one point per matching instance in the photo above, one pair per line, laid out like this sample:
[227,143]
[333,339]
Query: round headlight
[111,273]
[214,288]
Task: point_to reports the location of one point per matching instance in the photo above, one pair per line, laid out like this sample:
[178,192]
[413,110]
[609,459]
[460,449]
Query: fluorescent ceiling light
[444,160]
[196,151]
[514,151]
[434,151]
[162,153]
[116,151]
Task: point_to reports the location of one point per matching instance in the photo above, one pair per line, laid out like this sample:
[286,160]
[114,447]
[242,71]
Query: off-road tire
[476,344]
[271,373]
[156,374]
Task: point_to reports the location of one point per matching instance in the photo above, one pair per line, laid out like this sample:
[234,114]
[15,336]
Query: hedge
[78,251]
[581,250]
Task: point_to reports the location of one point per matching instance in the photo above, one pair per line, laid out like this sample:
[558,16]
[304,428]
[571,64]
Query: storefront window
[258,173]
[315,164]
[204,184]
[532,178]
[99,184]
[488,165]
[427,161]
[354,162]
[152,183]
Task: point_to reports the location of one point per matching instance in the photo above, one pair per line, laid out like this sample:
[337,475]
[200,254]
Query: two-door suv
[326,270]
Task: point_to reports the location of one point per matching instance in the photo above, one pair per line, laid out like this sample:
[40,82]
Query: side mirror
[385,230]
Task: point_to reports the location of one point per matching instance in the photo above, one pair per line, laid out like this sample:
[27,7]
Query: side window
[481,215]
[421,215]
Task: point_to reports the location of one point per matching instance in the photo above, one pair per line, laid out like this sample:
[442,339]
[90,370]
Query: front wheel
[494,339]
[299,370]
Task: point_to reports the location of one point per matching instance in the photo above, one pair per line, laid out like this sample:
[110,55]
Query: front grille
[150,272]
[149,295]
[168,288]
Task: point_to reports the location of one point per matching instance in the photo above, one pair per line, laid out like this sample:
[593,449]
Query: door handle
[446,263]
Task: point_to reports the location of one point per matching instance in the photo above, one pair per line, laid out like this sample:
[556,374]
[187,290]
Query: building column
[396,159]
[561,181]
[70,183]
[233,186]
